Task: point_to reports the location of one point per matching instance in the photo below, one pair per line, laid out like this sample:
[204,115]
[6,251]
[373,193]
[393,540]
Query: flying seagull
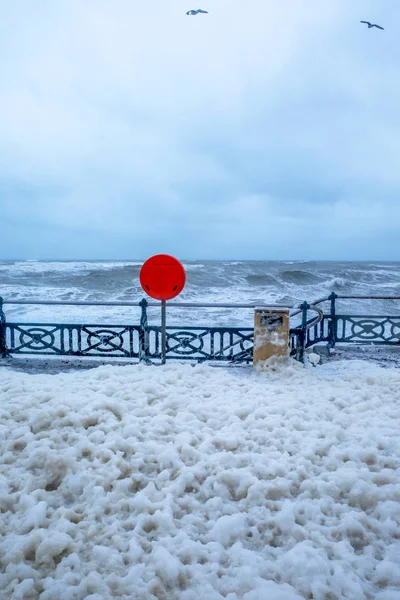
[371,24]
[196,12]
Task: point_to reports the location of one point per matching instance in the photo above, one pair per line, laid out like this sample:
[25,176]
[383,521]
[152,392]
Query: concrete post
[271,334]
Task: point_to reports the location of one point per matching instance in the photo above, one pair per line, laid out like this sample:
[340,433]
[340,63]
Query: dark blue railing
[336,328]
[143,342]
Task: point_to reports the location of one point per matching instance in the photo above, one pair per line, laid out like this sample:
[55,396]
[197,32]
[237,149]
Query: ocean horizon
[286,282]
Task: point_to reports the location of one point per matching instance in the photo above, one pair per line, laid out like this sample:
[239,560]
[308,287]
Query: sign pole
[162,277]
[163,331]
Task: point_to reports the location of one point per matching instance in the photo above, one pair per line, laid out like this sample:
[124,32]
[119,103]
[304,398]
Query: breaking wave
[246,282]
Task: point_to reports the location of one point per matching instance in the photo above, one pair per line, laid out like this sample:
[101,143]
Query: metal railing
[143,342]
[341,328]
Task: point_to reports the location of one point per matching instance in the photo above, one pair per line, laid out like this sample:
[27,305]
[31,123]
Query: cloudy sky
[266,129]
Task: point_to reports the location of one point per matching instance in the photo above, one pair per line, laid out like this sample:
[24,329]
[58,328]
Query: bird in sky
[371,25]
[196,12]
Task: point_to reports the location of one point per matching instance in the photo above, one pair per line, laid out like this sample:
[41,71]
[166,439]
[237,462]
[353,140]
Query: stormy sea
[230,282]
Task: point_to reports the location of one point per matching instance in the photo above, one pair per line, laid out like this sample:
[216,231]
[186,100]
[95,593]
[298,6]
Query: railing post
[303,342]
[143,333]
[333,321]
[3,346]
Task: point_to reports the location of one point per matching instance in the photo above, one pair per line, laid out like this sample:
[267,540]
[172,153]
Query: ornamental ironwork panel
[130,341]
[302,337]
[73,340]
[197,344]
[319,332]
[367,328]
[295,343]
[203,343]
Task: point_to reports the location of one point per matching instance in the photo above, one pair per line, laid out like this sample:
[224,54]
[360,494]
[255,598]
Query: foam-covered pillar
[271,334]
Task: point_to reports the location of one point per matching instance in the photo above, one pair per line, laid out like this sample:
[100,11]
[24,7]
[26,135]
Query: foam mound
[196,483]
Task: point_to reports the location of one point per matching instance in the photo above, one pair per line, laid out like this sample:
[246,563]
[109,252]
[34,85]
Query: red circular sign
[162,277]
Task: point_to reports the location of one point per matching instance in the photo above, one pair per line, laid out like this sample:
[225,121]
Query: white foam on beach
[195,483]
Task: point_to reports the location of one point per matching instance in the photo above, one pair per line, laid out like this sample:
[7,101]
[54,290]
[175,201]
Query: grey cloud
[275,123]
